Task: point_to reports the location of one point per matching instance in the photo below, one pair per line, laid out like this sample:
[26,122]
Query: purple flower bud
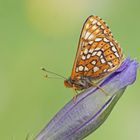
[77,120]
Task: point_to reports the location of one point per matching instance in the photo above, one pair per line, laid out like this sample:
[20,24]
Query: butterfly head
[68,83]
[78,84]
[73,84]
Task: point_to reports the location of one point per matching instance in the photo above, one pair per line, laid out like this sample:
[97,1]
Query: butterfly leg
[75,95]
[95,85]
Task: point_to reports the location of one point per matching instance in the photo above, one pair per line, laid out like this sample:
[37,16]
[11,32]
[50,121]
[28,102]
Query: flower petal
[77,120]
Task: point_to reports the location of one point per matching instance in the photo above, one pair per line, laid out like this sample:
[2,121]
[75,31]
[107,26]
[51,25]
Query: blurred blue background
[35,33]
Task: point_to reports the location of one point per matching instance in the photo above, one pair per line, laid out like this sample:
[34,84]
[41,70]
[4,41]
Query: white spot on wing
[86,51]
[87,35]
[98,23]
[111,43]
[83,57]
[94,22]
[88,56]
[94,53]
[116,54]
[86,69]
[81,68]
[102,27]
[105,32]
[91,36]
[96,49]
[87,26]
[114,49]
[98,39]
[97,31]
[103,61]
[106,40]
[99,53]
[101,56]
[91,19]
[91,50]
[95,69]
[90,42]
[94,27]
[93,62]
[110,64]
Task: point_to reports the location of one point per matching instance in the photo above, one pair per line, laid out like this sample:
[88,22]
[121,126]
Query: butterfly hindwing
[98,53]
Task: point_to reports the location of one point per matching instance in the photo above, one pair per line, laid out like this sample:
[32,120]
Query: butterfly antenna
[59,76]
[27,137]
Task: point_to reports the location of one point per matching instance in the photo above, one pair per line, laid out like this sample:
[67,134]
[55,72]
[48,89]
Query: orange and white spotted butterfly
[98,55]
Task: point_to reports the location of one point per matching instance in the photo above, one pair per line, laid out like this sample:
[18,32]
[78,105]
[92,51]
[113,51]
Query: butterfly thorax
[79,83]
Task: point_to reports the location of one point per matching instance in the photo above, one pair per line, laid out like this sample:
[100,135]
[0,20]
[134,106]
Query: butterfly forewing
[98,53]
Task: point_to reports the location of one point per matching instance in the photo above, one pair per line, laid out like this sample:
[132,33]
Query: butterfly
[98,55]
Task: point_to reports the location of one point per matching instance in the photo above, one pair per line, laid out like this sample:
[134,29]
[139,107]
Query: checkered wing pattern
[98,54]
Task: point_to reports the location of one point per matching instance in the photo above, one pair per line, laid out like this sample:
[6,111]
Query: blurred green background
[35,33]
